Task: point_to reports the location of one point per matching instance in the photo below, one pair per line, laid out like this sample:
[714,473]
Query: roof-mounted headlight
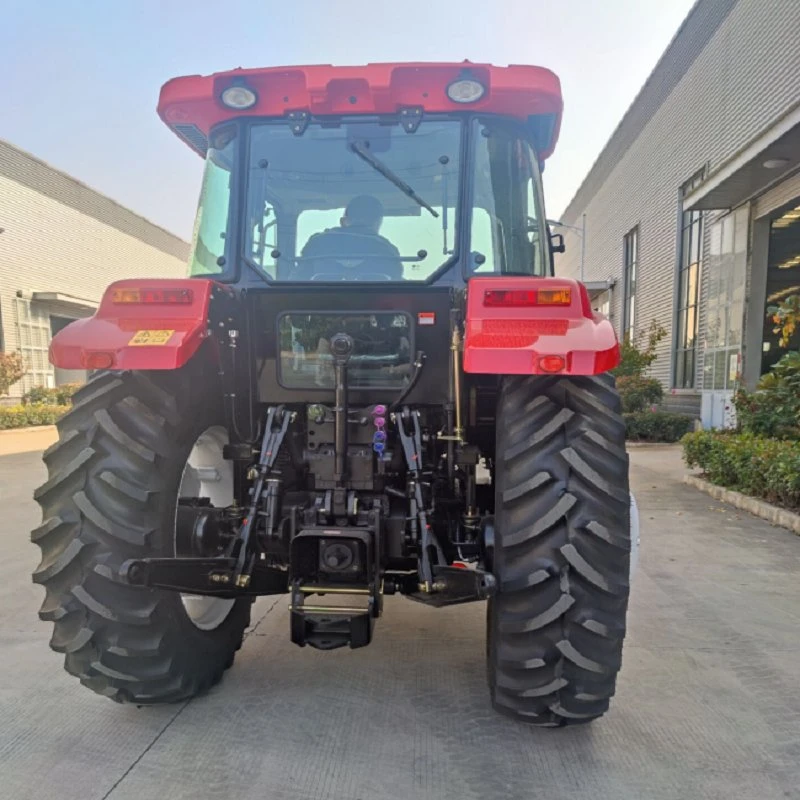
[238,97]
[466,90]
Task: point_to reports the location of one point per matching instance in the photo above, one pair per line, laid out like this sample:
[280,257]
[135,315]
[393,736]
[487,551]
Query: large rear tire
[113,482]
[562,548]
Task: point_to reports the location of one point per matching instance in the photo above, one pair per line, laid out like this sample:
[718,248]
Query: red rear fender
[163,329]
[510,332]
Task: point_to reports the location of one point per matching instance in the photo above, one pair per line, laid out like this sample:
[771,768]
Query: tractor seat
[348,254]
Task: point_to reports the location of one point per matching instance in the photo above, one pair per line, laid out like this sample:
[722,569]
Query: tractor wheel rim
[207,474]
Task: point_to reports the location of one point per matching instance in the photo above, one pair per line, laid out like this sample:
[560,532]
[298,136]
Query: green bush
[638,393]
[755,465]
[636,357]
[26,416]
[43,395]
[656,426]
[774,408]
[786,318]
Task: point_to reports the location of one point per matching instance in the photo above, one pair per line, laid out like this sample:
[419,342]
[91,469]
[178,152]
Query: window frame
[691,232]
[520,133]
[464,174]
[630,278]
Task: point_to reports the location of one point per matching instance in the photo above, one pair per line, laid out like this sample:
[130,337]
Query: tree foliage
[12,369]
[637,353]
[786,317]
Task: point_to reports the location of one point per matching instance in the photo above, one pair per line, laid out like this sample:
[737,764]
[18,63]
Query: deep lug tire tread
[562,549]
[110,496]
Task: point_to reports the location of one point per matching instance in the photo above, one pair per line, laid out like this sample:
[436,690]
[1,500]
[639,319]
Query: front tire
[562,547]
[111,495]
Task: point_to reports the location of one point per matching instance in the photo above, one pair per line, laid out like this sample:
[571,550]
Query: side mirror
[557,243]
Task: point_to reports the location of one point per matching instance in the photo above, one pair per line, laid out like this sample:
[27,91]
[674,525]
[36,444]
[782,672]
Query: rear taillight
[98,360]
[552,364]
[152,296]
[520,298]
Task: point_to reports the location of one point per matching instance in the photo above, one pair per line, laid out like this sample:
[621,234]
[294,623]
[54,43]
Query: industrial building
[691,213]
[61,244]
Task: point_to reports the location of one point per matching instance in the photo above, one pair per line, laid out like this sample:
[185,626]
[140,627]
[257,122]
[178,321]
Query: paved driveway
[707,707]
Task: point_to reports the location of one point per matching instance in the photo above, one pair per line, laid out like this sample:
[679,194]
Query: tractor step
[327,628]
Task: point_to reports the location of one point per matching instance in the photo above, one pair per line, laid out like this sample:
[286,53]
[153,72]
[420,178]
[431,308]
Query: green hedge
[656,426]
[27,416]
[55,396]
[754,465]
[638,392]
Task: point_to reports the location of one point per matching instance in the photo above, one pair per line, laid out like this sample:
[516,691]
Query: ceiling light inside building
[776,163]
[787,219]
[789,263]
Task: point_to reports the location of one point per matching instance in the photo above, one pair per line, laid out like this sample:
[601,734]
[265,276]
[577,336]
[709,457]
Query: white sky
[82,78]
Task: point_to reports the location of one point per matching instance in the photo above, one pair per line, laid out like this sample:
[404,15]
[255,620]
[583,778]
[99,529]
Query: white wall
[746,76]
[48,246]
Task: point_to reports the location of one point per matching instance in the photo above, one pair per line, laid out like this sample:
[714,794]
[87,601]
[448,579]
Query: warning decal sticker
[150,338]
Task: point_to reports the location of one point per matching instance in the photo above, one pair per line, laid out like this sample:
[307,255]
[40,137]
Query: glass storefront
[726,275]
[783,275]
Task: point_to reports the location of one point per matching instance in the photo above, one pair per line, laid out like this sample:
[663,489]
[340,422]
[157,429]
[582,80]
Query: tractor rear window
[361,201]
[381,353]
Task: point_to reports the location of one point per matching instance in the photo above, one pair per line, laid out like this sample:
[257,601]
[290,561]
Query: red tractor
[369,384]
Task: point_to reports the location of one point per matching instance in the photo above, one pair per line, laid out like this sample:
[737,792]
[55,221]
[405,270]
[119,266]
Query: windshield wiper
[364,154]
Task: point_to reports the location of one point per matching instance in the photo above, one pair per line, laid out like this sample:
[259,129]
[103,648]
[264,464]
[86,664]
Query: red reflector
[100,360]
[152,296]
[552,363]
[509,298]
[519,298]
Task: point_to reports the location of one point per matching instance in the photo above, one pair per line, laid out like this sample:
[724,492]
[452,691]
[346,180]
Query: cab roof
[191,106]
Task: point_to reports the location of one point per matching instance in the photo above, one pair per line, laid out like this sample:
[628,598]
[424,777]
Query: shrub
[656,426]
[786,318]
[638,393]
[755,465]
[58,396]
[635,360]
[12,369]
[26,416]
[774,408]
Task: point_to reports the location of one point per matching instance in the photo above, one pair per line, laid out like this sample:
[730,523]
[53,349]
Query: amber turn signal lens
[554,297]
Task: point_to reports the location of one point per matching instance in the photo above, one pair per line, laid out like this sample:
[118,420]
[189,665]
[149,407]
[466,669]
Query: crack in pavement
[180,710]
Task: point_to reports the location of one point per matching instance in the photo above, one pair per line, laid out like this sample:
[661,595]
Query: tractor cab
[398,174]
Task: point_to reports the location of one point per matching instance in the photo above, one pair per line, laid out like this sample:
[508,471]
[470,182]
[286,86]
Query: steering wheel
[335,270]
[364,277]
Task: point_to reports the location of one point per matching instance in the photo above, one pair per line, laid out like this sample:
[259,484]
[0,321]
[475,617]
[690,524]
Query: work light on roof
[466,90]
[239,97]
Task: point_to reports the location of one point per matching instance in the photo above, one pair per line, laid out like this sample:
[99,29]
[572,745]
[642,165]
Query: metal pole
[583,243]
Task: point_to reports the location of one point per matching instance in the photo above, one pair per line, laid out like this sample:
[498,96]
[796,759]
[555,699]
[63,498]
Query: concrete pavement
[27,440]
[707,706]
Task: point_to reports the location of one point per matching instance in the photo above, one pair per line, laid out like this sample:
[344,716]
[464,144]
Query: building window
[691,250]
[726,276]
[630,246]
